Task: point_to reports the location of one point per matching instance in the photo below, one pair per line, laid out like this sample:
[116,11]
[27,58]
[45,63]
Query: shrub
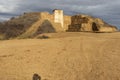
[43,37]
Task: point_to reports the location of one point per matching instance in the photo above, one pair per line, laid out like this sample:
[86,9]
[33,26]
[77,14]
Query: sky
[108,10]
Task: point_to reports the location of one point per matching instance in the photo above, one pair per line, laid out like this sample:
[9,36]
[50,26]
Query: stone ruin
[77,23]
[87,23]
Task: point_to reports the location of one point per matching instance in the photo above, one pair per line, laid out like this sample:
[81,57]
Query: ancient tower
[58,17]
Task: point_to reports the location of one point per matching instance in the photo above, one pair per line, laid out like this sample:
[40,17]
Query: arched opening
[94,27]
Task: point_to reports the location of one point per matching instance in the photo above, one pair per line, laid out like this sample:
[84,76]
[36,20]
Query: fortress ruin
[35,23]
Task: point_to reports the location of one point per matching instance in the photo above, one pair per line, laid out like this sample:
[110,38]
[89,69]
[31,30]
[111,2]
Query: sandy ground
[65,56]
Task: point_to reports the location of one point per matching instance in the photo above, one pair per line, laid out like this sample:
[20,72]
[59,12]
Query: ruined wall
[45,16]
[79,23]
[88,23]
[59,21]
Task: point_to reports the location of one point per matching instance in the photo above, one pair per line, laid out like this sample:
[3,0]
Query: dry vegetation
[65,56]
[17,26]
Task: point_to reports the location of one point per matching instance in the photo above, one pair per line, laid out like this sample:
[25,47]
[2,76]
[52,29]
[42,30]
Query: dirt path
[77,56]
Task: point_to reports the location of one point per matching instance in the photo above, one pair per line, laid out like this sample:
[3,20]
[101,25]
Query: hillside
[64,56]
[18,25]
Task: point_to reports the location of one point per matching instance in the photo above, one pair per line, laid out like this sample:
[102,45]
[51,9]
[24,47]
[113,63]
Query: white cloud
[7,9]
[7,6]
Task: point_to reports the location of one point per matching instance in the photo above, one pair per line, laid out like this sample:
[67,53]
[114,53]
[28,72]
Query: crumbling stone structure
[88,23]
[58,22]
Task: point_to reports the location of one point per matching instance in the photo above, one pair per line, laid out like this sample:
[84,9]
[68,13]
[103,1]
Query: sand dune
[65,56]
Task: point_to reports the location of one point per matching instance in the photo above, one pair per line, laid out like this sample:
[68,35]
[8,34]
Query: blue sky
[108,10]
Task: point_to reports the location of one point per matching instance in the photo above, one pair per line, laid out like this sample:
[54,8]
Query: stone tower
[58,17]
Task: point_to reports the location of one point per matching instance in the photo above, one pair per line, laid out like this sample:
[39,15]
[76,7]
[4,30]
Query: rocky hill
[32,24]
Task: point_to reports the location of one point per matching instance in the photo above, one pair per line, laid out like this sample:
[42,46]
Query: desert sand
[64,56]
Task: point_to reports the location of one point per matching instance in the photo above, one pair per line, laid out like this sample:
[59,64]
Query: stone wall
[49,18]
[79,23]
[88,23]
